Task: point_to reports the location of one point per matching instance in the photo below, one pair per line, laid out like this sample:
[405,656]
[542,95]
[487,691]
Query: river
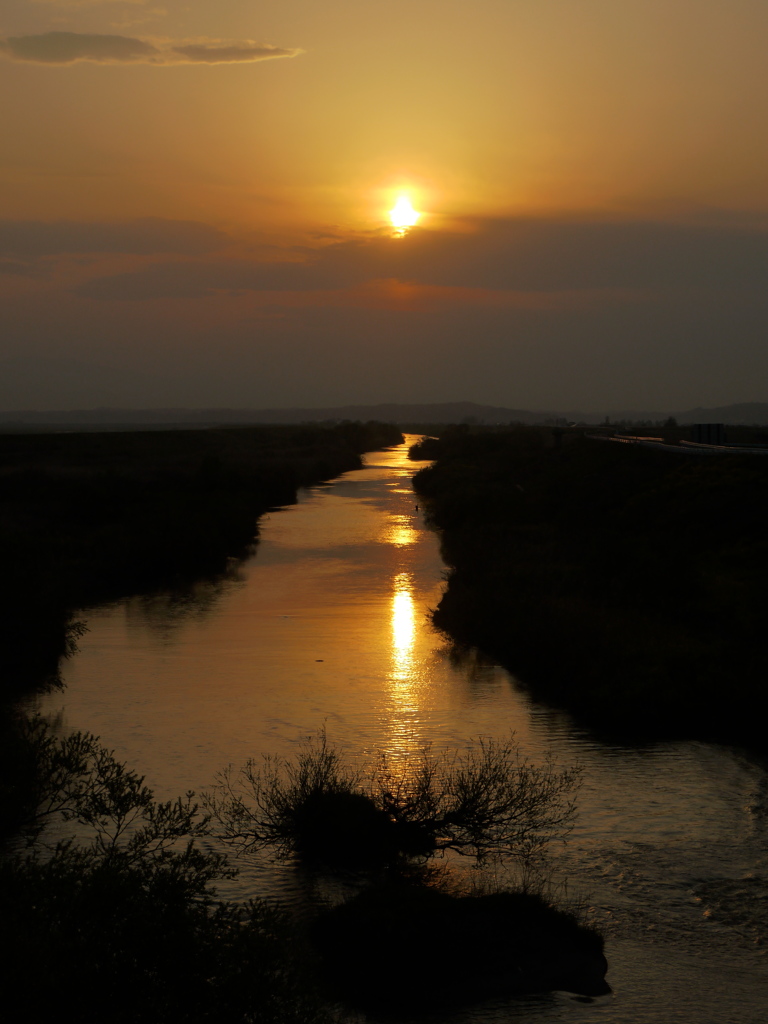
[327,625]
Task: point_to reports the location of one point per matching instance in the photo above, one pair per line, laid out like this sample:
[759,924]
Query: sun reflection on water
[400,532]
[404,705]
[403,627]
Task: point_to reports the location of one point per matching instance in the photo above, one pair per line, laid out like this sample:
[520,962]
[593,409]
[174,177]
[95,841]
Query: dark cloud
[71,47]
[17,267]
[191,280]
[526,254]
[234,53]
[506,255]
[68,47]
[145,236]
[668,350]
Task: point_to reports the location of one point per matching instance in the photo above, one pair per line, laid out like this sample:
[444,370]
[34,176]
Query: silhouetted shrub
[425,448]
[482,801]
[285,804]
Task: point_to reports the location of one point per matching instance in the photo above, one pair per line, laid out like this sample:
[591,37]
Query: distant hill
[748,413]
[440,412]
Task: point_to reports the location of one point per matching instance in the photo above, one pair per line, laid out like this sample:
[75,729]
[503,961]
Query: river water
[327,625]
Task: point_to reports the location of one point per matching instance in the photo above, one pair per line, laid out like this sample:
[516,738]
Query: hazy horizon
[116,417]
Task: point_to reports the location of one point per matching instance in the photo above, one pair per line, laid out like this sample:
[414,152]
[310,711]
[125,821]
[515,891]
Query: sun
[403,215]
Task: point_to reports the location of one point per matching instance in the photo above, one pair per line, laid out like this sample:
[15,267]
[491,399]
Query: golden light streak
[400,531]
[403,627]
[405,726]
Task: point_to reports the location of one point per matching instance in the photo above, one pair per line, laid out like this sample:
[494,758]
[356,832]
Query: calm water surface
[328,624]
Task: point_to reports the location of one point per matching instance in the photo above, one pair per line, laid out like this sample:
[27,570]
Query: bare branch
[487,800]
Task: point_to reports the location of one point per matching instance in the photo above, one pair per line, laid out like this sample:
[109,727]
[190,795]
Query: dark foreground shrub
[486,800]
[401,945]
[119,923]
[125,944]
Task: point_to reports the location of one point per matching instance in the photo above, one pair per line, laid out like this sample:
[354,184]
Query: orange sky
[194,202]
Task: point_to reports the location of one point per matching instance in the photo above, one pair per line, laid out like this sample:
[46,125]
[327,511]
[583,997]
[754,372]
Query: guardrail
[683,448]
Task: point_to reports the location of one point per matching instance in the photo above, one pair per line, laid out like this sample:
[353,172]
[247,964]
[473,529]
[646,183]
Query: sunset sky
[195,196]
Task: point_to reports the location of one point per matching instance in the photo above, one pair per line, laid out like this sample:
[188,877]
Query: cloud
[90,3]
[22,240]
[228,53]
[191,280]
[515,255]
[71,47]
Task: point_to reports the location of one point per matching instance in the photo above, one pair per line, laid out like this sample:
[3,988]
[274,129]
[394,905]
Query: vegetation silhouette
[484,801]
[623,583]
[387,823]
[122,922]
[112,911]
[447,949]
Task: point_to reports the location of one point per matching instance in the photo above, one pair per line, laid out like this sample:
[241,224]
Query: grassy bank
[623,583]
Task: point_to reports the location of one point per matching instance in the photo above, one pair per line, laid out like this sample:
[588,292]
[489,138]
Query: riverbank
[624,584]
[89,518]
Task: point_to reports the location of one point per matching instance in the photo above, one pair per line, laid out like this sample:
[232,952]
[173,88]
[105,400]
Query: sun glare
[403,215]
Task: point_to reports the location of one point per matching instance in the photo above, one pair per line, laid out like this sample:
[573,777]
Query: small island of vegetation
[383,826]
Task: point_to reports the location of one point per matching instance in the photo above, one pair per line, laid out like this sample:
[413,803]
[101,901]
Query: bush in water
[484,801]
[446,949]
